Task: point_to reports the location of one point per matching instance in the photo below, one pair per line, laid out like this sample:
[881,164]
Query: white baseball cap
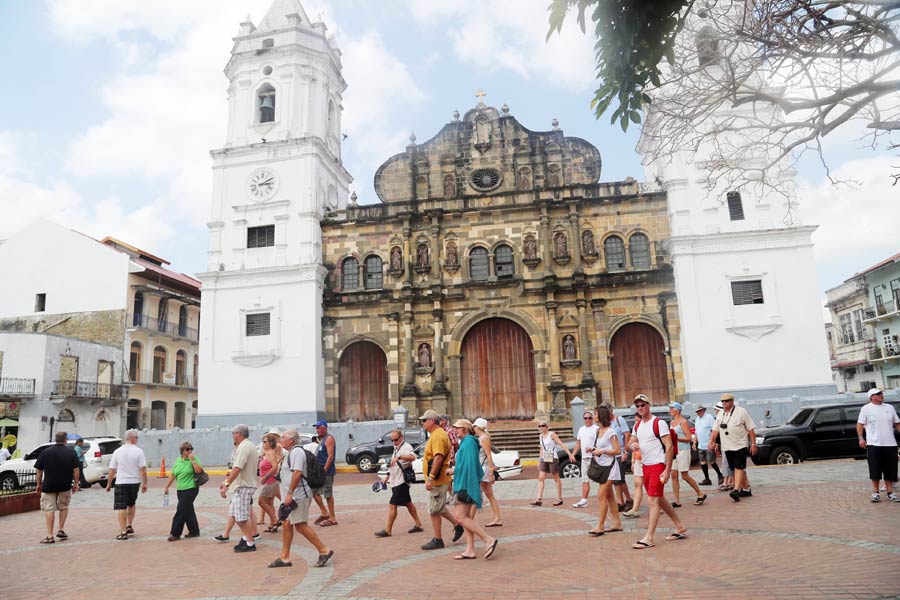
[480,422]
[874,392]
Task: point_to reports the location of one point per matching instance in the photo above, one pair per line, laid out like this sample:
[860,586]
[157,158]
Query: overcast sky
[111,107]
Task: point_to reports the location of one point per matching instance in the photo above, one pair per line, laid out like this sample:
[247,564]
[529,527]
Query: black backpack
[314,474]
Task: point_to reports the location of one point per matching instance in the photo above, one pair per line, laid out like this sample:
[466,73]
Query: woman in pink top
[269,465]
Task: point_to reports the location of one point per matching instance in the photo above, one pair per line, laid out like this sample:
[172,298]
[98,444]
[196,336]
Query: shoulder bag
[201,477]
[596,472]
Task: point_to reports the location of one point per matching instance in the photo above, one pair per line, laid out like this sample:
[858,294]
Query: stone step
[525,441]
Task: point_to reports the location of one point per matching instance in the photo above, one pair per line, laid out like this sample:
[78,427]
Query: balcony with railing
[882,310]
[11,386]
[175,330]
[71,388]
[150,377]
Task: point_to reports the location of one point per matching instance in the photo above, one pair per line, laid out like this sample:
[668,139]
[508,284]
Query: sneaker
[746,493]
[458,532]
[240,544]
[221,538]
[434,544]
[631,514]
[735,495]
[893,497]
[876,497]
[580,504]
[706,482]
[245,548]
[415,529]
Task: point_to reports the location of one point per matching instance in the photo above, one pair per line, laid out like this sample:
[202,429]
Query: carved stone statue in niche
[422,255]
[562,244]
[553,178]
[530,249]
[452,255]
[524,179]
[569,348]
[424,355]
[396,258]
[449,186]
[587,242]
[482,132]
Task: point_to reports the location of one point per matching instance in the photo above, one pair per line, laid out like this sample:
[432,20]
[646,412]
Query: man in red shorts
[651,437]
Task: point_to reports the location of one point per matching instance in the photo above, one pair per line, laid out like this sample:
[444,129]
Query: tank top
[322,455]
[482,458]
[266,467]
[548,444]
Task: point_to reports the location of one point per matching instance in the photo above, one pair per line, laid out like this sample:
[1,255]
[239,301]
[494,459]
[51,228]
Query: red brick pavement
[763,547]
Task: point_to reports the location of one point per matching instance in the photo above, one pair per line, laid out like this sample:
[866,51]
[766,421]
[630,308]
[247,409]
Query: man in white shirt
[879,421]
[586,438]
[401,458]
[128,467]
[737,429]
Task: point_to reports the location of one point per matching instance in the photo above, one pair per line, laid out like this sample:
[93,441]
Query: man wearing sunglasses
[878,421]
[585,440]
[734,428]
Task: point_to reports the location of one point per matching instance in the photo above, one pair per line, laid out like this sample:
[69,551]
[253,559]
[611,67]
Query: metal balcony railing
[10,386]
[150,377]
[165,327]
[885,307]
[88,389]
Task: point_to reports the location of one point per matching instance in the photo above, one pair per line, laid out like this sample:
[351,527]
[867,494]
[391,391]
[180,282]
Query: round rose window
[485,180]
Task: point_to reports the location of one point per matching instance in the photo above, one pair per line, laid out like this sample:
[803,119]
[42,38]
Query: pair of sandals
[642,545]
[60,534]
[325,521]
[538,502]
[274,528]
[124,535]
[323,560]
[487,554]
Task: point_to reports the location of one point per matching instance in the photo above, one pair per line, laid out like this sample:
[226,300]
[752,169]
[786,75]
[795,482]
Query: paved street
[808,532]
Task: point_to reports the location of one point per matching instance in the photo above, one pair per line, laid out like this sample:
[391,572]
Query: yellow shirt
[438,443]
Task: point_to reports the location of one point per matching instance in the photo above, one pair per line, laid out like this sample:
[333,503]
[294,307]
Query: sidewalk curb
[528,462]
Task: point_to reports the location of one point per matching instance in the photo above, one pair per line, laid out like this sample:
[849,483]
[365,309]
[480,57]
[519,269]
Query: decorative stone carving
[424,355]
[588,247]
[524,179]
[569,352]
[396,265]
[449,185]
[553,179]
[561,244]
[452,254]
[529,251]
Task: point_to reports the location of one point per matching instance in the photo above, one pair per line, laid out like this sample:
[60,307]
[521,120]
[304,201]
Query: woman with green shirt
[183,473]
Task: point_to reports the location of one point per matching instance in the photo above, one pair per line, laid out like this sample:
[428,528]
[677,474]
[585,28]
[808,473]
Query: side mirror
[812,426]
[381,440]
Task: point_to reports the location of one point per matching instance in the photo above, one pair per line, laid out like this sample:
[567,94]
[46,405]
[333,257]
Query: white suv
[97,452]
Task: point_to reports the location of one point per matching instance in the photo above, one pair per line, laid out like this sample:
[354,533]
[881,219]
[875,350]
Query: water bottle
[165,501]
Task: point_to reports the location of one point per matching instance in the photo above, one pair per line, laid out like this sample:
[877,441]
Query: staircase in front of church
[525,439]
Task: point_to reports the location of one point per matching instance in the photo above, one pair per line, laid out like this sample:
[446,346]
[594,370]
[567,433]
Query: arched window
[162,314]
[614,248]
[639,245]
[159,364]
[182,320]
[266,103]
[373,273]
[479,264]
[134,362]
[349,274]
[180,366]
[138,310]
[504,266]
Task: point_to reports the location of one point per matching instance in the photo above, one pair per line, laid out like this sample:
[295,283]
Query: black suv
[365,456]
[827,431]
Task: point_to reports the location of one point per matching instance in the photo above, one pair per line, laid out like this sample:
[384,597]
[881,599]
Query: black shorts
[737,459]
[882,462]
[400,495]
[125,495]
[621,478]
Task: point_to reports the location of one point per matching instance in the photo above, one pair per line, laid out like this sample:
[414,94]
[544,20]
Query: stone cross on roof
[480,94]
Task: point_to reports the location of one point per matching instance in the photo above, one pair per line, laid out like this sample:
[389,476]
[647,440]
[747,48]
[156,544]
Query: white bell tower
[745,274]
[274,180]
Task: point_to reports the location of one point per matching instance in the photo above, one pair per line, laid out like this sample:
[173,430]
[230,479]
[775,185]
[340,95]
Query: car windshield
[800,416]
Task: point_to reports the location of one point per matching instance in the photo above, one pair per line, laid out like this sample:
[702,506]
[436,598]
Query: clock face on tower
[262,184]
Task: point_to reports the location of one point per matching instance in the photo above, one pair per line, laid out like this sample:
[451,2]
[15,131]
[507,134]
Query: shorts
[400,495]
[585,465]
[737,459]
[125,495]
[682,462]
[488,476]
[652,483]
[548,467]
[727,471]
[463,497]
[54,501]
[268,490]
[327,490]
[637,468]
[241,501]
[620,476]
[707,457]
[301,513]
[882,463]
[437,499]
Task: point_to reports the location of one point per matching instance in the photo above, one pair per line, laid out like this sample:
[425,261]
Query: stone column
[435,262]
[547,245]
[438,347]
[603,375]
[409,383]
[407,234]
[576,239]
[587,372]
[394,390]
[553,341]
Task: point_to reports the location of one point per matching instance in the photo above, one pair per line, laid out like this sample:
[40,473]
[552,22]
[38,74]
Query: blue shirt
[80,454]
[322,455]
[703,426]
[621,428]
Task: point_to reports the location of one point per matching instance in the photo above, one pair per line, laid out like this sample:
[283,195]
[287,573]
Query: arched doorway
[363,391]
[497,371]
[637,353]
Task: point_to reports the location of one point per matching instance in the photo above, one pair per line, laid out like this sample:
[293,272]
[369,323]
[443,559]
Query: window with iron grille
[258,324]
[479,264]
[261,237]
[858,324]
[747,292]
[349,274]
[374,277]
[735,206]
[503,262]
[614,248]
[847,328]
[639,245]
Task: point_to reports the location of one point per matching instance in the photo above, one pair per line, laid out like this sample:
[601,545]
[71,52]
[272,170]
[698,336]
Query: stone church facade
[497,278]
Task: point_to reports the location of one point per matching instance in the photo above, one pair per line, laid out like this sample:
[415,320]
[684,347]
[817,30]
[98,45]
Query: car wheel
[784,455]
[366,464]
[8,482]
[570,470]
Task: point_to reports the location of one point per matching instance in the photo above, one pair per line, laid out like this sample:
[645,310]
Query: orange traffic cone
[162,468]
